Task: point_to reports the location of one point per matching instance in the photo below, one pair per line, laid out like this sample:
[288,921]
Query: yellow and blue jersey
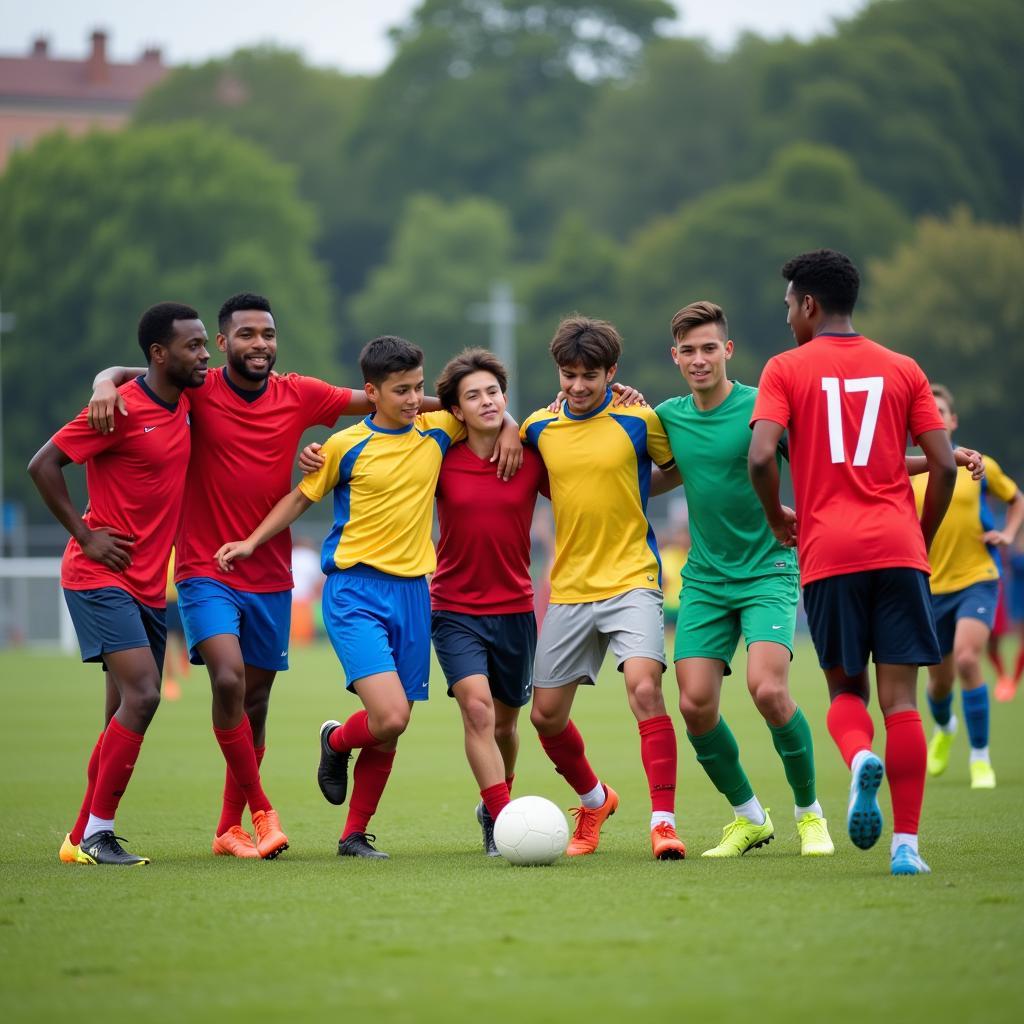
[958,555]
[599,467]
[383,483]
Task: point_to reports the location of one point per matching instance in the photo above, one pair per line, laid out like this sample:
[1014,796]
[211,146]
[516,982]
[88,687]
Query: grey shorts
[575,637]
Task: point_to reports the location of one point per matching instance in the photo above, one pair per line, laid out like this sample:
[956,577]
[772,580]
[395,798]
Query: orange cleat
[1006,689]
[270,840]
[236,842]
[588,824]
[665,844]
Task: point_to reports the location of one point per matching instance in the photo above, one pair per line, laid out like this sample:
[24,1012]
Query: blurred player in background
[176,661]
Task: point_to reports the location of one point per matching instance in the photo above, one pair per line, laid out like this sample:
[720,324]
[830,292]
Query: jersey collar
[151,394]
[593,412]
[248,396]
[386,430]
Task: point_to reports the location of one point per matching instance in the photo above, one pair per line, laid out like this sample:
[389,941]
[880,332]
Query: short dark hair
[243,300]
[827,275]
[595,344]
[695,315]
[471,360]
[156,327]
[386,355]
[941,391]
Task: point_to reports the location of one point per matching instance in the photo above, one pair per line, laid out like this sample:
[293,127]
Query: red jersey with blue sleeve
[136,481]
[245,444]
[483,554]
[849,405]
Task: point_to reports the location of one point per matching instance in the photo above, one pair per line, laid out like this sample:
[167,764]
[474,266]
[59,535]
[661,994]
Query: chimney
[40,47]
[151,55]
[97,71]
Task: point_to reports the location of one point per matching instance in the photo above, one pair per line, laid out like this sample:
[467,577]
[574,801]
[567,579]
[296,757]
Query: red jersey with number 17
[245,444]
[135,478]
[849,405]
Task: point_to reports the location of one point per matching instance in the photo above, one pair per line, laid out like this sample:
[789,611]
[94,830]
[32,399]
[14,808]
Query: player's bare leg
[506,736]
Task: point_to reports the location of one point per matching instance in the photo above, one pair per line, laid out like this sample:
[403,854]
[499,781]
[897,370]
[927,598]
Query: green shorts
[713,615]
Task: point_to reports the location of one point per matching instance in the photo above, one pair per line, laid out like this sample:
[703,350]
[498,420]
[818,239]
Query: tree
[94,230]
[951,297]
[443,259]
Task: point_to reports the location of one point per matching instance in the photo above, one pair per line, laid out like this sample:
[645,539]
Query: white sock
[903,839]
[663,818]
[595,798]
[751,810]
[815,808]
[95,825]
[979,754]
[950,727]
[858,760]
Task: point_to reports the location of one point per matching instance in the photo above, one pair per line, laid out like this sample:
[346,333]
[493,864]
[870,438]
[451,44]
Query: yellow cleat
[938,751]
[982,776]
[741,835]
[70,853]
[814,838]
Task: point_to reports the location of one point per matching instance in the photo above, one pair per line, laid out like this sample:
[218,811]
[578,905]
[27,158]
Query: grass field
[441,933]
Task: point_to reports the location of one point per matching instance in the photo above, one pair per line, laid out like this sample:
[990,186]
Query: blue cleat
[907,861]
[864,816]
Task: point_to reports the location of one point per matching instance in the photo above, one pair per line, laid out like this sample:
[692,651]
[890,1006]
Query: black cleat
[487,827]
[332,775]
[357,844]
[104,848]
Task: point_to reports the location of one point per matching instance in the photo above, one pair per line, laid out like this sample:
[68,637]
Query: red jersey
[483,555]
[136,480]
[241,467]
[849,405]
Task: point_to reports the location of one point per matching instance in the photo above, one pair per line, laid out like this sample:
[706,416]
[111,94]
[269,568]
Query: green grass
[441,932]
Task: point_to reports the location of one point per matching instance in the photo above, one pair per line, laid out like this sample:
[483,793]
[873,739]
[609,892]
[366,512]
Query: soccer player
[737,579]
[114,569]
[1007,689]
[849,404]
[606,579]
[247,423]
[383,472]
[964,587]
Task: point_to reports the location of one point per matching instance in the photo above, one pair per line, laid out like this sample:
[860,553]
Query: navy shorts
[261,622]
[500,647]
[978,601]
[377,623]
[885,613]
[109,619]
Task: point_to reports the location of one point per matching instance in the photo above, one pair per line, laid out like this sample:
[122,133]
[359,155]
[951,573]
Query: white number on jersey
[873,386]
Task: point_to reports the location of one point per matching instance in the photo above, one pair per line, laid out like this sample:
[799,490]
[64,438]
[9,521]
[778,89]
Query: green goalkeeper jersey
[731,539]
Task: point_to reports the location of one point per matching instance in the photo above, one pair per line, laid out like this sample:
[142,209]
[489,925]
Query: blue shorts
[886,613]
[377,622]
[261,622]
[500,647]
[978,601]
[109,619]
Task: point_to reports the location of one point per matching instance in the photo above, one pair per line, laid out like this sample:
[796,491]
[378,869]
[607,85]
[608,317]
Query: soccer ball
[531,830]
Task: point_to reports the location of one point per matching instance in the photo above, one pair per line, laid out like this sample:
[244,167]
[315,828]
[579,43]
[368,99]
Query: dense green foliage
[570,147]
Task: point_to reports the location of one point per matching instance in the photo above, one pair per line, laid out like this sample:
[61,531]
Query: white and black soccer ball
[531,831]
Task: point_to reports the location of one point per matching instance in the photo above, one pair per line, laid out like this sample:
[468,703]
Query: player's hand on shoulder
[557,403]
[972,460]
[310,459]
[108,547]
[105,399]
[785,528]
[626,396]
[508,453]
[228,553]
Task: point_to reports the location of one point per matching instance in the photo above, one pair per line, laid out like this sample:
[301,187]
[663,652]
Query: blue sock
[976,715]
[942,710]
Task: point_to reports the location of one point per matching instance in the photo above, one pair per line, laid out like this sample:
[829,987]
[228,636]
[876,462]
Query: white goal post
[32,608]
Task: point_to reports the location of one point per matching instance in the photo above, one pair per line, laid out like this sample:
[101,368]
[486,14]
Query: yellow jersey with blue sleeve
[599,467]
[383,483]
[958,555]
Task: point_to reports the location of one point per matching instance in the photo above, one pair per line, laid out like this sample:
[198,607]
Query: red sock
[90,788]
[568,755]
[906,754]
[354,732]
[658,753]
[1019,669]
[369,777]
[118,754]
[240,754]
[850,725]
[234,799]
[495,798]
[508,782]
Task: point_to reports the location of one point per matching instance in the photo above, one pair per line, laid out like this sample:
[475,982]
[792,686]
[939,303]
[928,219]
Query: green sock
[796,748]
[719,755]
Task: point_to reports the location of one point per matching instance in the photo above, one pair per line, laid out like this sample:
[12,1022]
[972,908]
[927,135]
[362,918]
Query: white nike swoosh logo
[776,627]
[146,430]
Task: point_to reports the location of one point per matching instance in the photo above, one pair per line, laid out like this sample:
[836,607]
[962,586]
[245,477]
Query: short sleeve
[322,403]
[79,442]
[924,413]
[999,483]
[443,421]
[531,427]
[316,486]
[658,447]
[773,400]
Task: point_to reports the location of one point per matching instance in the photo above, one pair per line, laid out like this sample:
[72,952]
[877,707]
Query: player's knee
[645,697]
[547,722]
[478,715]
[966,662]
[141,701]
[771,697]
[504,732]
[700,716]
[228,686]
[257,706]
[389,725]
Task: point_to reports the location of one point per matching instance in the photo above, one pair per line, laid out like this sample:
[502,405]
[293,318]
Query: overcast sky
[347,34]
